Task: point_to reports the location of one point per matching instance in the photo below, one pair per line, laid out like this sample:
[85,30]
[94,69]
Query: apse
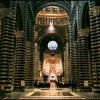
[52,65]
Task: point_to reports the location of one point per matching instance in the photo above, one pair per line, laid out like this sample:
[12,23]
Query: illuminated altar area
[52,67]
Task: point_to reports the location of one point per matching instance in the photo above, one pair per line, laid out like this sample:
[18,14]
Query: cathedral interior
[50,49]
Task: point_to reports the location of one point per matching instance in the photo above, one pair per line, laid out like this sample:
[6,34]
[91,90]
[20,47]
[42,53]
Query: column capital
[96,10]
[84,32]
[19,34]
[36,44]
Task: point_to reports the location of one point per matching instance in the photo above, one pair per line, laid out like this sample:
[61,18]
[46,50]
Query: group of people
[39,84]
[71,84]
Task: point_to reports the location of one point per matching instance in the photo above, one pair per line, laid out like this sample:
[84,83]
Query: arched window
[52,45]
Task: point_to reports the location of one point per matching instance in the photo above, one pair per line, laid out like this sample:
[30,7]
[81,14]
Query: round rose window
[52,45]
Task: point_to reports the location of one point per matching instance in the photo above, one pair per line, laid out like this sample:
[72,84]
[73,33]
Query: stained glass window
[52,45]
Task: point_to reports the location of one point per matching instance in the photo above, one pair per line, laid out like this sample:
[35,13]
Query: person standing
[38,83]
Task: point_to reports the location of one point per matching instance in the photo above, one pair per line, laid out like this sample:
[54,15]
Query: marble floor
[51,93]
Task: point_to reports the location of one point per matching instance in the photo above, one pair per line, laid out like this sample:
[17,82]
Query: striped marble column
[19,60]
[7,54]
[83,56]
[66,63]
[28,70]
[35,70]
[94,13]
[76,64]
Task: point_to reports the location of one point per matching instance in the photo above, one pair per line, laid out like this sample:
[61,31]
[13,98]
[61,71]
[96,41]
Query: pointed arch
[19,21]
[39,5]
[84,16]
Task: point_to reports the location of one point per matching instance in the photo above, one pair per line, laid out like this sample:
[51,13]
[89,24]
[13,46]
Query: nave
[41,40]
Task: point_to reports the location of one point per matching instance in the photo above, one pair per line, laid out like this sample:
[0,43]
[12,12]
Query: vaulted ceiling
[37,5]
